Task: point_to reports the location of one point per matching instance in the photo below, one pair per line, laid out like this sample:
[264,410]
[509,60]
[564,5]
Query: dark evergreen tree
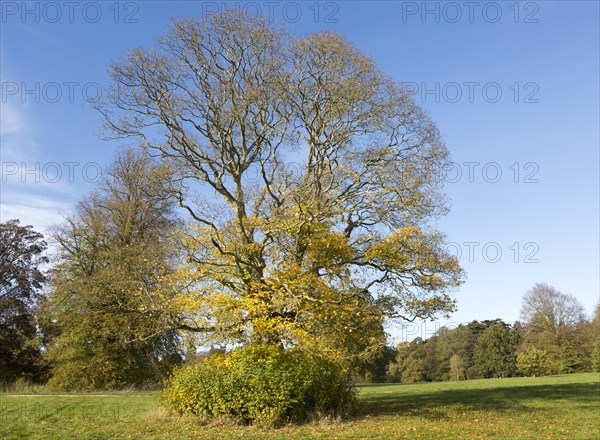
[21,280]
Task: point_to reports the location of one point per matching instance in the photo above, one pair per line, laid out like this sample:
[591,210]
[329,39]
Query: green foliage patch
[261,384]
[533,362]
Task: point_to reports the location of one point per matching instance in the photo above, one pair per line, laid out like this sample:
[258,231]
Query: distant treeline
[555,338]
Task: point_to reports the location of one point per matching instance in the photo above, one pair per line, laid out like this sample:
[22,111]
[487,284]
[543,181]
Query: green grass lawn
[556,407]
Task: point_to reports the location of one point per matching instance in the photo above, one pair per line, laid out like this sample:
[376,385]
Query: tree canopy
[309,174]
[109,314]
[22,253]
[548,309]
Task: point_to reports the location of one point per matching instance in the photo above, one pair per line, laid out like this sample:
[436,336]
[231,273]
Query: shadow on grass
[437,404]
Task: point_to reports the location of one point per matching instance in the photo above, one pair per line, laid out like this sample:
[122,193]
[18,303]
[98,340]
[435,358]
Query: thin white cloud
[60,179]
[11,122]
[17,138]
[39,211]
[35,198]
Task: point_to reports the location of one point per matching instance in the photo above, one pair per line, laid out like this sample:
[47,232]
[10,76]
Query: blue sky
[513,87]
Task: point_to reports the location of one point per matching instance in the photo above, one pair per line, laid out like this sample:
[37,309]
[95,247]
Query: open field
[556,407]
